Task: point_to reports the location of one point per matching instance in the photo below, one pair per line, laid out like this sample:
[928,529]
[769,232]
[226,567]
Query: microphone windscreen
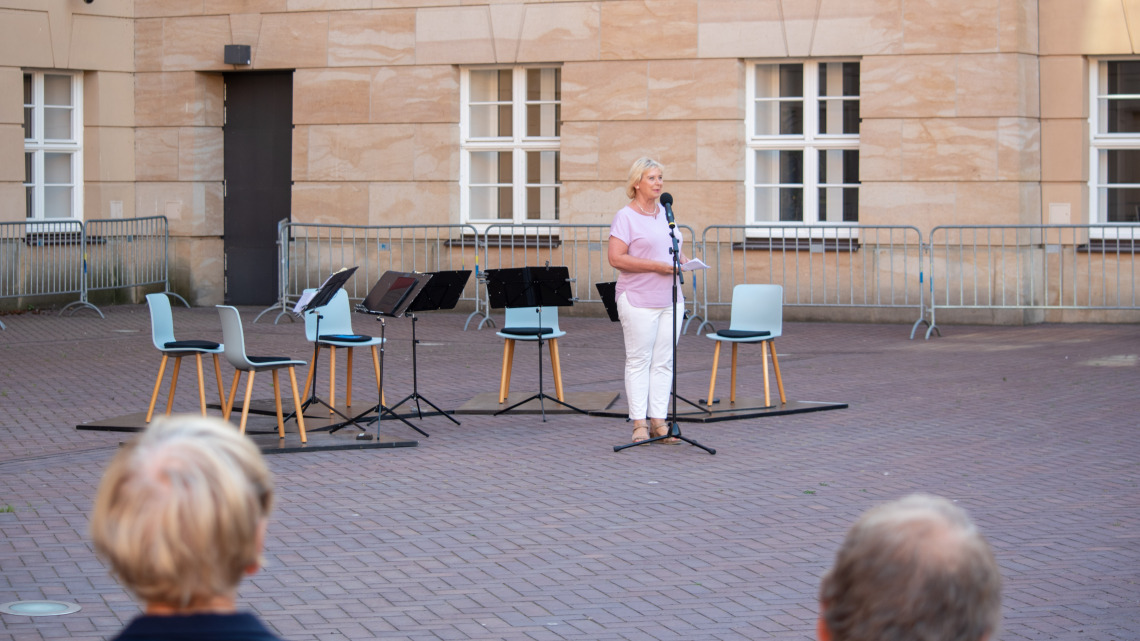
[666,198]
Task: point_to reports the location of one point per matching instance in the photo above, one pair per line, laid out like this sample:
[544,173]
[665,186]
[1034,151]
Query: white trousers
[648,357]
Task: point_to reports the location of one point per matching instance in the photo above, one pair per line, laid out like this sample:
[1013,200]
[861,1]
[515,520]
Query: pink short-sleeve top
[647,237]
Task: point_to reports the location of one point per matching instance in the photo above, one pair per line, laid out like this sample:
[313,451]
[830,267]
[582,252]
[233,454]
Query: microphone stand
[674,426]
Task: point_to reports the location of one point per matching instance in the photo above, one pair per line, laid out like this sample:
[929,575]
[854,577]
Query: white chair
[335,326]
[522,324]
[162,333]
[756,317]
[234,338]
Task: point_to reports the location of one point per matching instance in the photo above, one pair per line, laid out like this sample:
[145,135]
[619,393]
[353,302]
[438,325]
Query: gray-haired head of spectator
[915,569]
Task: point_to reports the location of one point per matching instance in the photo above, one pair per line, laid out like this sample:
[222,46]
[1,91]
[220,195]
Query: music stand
[394,292]
[608,292]
[328,289]
[390,296]
[531,287]
[442,291]
[320,298]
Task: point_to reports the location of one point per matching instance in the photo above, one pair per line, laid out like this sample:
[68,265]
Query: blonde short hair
[180,508]
[637,171]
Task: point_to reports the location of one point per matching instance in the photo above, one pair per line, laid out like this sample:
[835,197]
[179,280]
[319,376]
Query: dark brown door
[258,135]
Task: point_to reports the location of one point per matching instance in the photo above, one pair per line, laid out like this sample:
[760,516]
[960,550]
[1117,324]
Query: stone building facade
[884,112]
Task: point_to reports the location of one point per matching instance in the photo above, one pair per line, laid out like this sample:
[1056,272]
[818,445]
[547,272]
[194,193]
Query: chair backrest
[757,308]
[161,320]
[529,317]
[233,337]
[337,318]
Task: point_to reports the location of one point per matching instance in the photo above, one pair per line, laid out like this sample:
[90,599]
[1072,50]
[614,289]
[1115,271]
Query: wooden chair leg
[277,404]
[201,383]
[764,361]
[732,393]
[173,384]
[348,380]
[712,379]
[245,405]
[556,366]
[218,373]
[157,385]
[297,405]
[508,359]
[776,366]
[332,378]
[228,405]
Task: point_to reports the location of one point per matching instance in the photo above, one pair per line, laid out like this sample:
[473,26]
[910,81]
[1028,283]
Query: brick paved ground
[510,528]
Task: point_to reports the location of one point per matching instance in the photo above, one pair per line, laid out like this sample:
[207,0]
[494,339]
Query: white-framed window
[510,135]
[802,124]
[1114,126]
[53,145]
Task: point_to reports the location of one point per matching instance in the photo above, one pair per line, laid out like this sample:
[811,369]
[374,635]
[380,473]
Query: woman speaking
[639,248]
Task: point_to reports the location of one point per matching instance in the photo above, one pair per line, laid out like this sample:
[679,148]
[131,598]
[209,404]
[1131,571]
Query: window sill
[813,245]
[41,238]
[1110,246]
[507,241]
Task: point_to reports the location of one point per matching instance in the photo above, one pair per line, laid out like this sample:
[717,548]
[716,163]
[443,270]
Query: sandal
[661,428]
[640,432]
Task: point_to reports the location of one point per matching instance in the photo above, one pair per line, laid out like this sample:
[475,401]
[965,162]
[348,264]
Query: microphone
[667,202]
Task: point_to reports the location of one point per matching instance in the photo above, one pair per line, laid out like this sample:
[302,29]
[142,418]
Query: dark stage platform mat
[743,409]
[586,401]
[315,411]
[263,431]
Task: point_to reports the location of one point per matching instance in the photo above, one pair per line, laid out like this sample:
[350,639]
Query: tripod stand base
[744,408]
[674,433]
[586,401]
[413,401]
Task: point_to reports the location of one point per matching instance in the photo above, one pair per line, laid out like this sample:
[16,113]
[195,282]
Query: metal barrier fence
[581,248]
[1021,267]
[830,266]
[282,304]
[126,252]
[311,252]
[1072,267]
[819,266]
[41,258]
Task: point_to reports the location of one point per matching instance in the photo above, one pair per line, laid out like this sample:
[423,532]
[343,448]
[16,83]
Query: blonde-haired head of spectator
[181,512]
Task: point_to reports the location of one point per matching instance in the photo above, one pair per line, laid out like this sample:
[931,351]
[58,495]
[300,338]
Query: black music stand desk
[442,291]
[390,296]
[531,287]
[322,297]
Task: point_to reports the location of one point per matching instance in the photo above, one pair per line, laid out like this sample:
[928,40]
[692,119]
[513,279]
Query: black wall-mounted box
[238,54]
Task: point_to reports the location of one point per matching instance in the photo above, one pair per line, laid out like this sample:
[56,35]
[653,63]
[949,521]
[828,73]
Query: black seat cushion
[191,345]
[265,360]
[742,333]
[528,331]
[345,338]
